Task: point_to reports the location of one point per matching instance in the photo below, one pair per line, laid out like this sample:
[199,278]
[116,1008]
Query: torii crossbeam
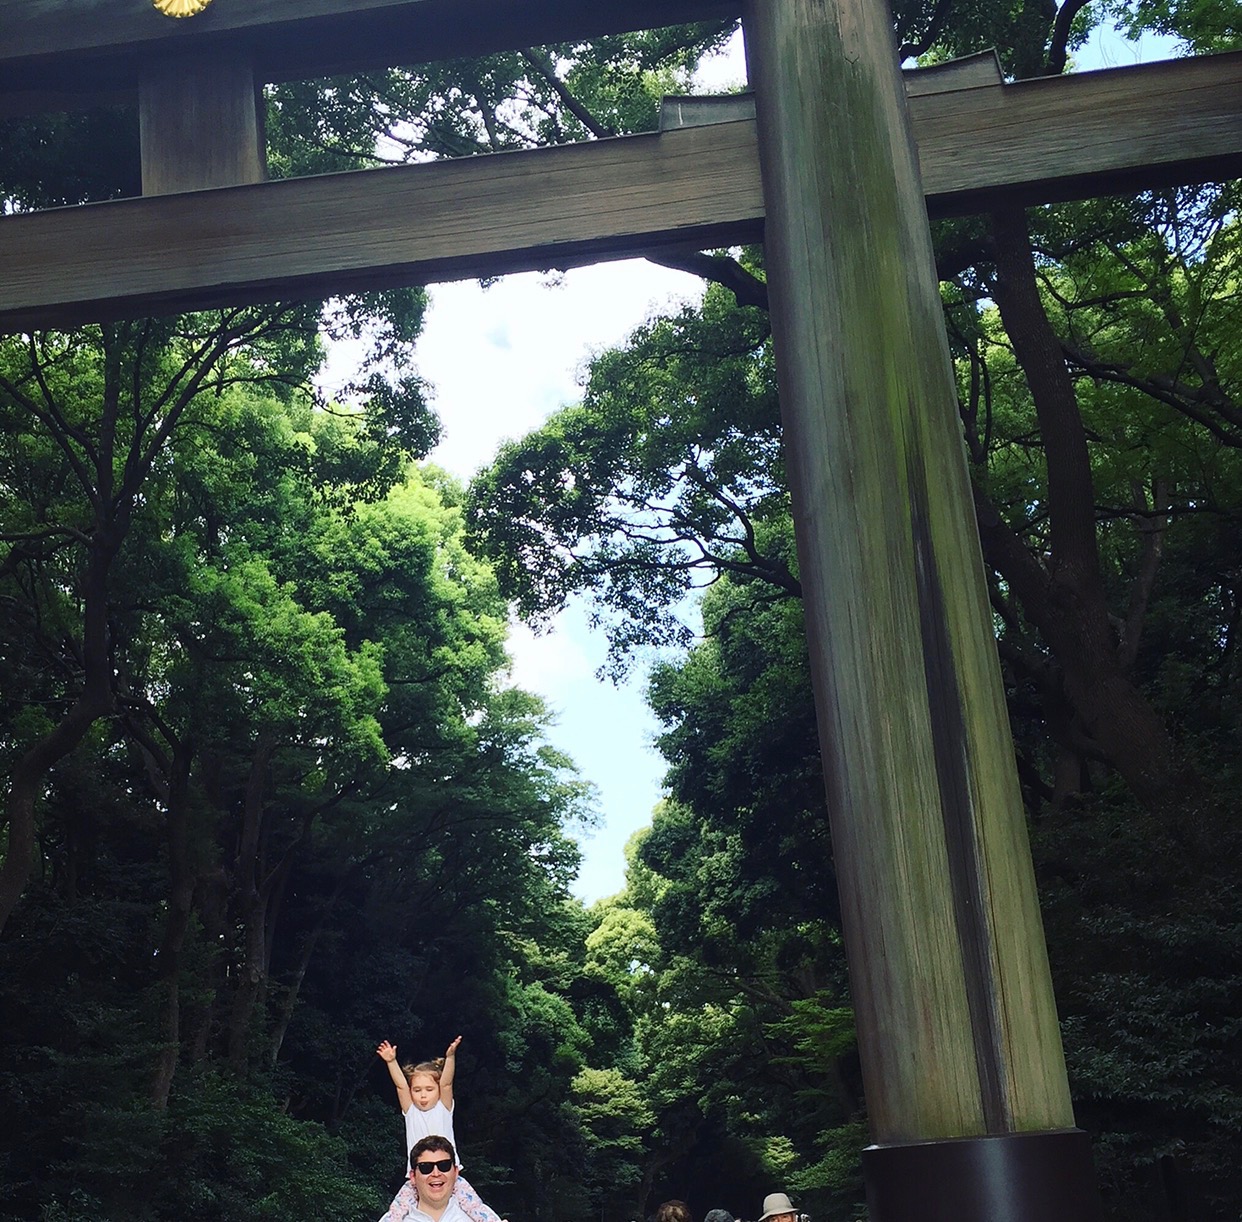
[965,1080]
[979,140]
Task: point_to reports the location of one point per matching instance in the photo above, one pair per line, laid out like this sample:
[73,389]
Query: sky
[501,359]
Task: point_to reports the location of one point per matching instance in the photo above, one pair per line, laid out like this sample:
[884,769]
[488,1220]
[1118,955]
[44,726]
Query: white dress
[436,1121]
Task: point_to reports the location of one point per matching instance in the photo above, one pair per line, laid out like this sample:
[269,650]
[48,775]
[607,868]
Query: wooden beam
[49,45]
[1067,137]
[1179,121]
[339,233]
[967,1097]
[1073,137]
[201,125]
[957,1027]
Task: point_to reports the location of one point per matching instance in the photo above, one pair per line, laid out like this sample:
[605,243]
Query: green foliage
[312,794]
[48,161]
[220,1151]
[1026,34]
[613,1114]
[517,99]
[1205,26]
[1142,917]
[668,472]
[244,1158]
[1141,294]
[307,813]
[836,1176]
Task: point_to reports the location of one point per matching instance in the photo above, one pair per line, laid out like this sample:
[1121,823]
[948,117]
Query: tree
[307,766]
[1097,404]
[100,409]
[296,808]
[668,474]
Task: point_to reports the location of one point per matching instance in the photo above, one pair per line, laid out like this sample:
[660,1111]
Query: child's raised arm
[388,1054]
[447,1074]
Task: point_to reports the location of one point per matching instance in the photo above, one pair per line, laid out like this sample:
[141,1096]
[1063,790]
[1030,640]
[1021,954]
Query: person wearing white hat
[777,1207]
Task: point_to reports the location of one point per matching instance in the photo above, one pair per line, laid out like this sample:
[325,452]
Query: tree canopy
[270,796]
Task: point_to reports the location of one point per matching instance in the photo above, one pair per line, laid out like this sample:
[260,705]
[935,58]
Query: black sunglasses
[441,1164]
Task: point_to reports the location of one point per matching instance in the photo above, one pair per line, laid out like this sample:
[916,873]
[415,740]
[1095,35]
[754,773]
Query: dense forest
[270,797]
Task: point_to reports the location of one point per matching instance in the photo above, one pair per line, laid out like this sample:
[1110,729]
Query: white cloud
[498,337]
[487,392]
[552,663]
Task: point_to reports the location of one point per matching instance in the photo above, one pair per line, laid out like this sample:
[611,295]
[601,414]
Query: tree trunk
[94,701]
[1065,598]
[252,903]
[180,906]
[211,900]
[290,1000]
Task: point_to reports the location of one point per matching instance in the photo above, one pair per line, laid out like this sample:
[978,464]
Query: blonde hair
[431,1068]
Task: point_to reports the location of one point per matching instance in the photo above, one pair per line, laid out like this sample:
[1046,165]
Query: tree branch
[720,269]
[1058,43]
[542,63]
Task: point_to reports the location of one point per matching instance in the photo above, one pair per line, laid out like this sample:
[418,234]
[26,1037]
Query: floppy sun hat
[776,1203]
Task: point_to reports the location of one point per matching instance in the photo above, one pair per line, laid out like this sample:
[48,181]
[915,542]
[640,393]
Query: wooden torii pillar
[963,1071]
[959,1043]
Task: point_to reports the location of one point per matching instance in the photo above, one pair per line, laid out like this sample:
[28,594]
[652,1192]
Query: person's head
[777,1207]
[433,1169]
[424,1080]
[718,1215]
[673,1211]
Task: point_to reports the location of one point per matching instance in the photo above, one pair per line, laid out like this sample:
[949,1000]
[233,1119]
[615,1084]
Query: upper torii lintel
[196,80]
[80,46]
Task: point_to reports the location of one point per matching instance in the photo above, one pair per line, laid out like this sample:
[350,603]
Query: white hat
[776,1203]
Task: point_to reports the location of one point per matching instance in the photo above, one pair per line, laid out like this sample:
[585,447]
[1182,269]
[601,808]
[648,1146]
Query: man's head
[433,1168]
[777,1207]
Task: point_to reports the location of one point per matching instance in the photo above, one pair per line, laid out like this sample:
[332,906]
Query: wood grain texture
[1096,133]
[378,228]
[85,44]
[957,1026]
[200,126]
[131,256]
[1070,137]
[968,72]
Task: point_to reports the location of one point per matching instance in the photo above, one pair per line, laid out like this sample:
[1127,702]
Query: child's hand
[387,1051]
[451,1050]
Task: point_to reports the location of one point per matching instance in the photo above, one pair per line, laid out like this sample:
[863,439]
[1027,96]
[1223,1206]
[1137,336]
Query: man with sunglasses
[433,1174]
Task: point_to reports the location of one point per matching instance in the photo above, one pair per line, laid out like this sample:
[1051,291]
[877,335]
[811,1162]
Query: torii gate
[964,1075]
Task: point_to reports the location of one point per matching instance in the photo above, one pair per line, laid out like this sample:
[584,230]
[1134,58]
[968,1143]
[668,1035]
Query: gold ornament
[181,8]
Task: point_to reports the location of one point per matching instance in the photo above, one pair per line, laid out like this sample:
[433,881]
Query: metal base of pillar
[1020,1177]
